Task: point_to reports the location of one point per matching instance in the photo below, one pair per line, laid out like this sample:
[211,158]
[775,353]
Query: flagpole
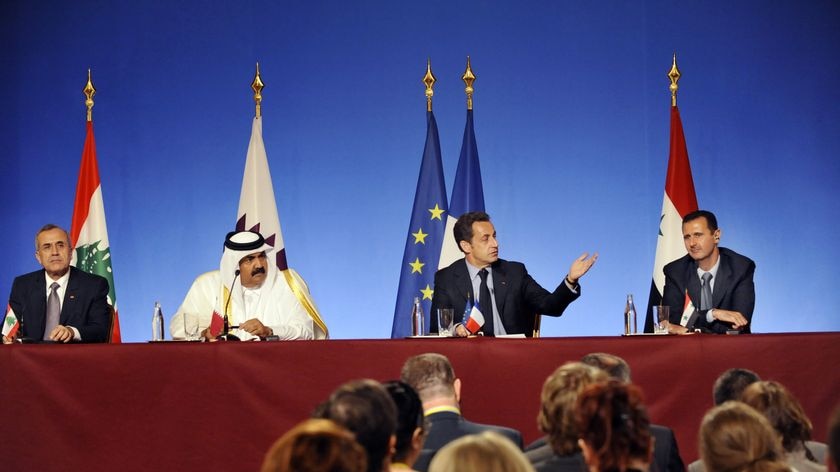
[674,77]
[257,85]
[429,80]
[468,79]
[89,91]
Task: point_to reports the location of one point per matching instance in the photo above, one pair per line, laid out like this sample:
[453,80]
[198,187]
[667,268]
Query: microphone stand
[226,326]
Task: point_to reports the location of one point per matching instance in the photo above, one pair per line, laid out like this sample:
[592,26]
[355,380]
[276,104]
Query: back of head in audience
[316,445]
[410,419]
[614,427]
[484,452]
[365,408]
[783,411]
[834,438]
[613,365]
[731,383]
[431,375]
[735,437]
[557,412]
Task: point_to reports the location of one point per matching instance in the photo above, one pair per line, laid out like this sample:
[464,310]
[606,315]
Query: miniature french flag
[11,324]
[475,320]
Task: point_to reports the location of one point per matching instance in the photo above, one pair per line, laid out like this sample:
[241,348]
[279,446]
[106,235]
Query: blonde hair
[485,452]
[316,445]
[735,437]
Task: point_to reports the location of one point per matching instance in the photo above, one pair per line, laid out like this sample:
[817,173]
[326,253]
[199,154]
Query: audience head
[365,408]
[559,394]
[316,445]
[782,410]
[834,438]
[613,365]
[731,383]
[432,377]
[485,452]
[410,421]
[735,437]
[614,427]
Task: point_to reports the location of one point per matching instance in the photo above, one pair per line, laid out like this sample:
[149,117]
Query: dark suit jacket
[518,297]
[447,426]
[666,454]
[85,305]
[733,288]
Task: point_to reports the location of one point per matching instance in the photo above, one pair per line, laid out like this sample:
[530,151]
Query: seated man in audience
[834,439]
[256,297]
[515,299]
[559,450]
[718,281]
[433,378]
[366,409]
[666,453]
[58,303]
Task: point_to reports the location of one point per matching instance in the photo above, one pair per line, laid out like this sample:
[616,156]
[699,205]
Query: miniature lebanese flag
[11,324]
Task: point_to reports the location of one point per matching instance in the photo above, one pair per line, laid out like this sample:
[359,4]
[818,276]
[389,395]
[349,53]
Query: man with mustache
[719,281]
[257,299]
[59,303]
[515,299]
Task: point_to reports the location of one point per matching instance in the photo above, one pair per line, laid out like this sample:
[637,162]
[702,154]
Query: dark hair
[463,227]
[711,221]
[613,421]
[731,383]
[613,365]
[365,408]
[783,411]
[430,375]
[409,415]
[316,445]
[834,437]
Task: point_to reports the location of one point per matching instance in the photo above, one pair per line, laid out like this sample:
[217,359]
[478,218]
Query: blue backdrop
[571,119]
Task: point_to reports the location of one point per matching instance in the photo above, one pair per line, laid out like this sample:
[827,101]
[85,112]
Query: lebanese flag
[88,230]
[10,323]
[475,321]
[680,200]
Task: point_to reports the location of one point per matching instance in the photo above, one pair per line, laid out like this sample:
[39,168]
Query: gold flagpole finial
[429,80]
[674,76]
[468,79]
[89,91]
[257,85]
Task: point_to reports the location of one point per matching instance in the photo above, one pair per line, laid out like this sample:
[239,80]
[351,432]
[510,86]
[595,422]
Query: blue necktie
[706,292]
[486,304]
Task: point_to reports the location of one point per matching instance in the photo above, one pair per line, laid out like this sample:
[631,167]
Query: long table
[219,406]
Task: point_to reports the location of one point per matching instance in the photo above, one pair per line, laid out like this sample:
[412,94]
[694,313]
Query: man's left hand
[736,319]
[580,266]
[62,334]
[255,327]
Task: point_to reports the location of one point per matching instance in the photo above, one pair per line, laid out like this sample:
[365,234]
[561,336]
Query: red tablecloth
[201,406]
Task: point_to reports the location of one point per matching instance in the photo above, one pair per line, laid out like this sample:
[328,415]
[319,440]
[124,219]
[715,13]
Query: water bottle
[157,323]
[630,316]
[417,318]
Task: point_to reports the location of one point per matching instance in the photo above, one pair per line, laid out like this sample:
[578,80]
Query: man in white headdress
[249,289]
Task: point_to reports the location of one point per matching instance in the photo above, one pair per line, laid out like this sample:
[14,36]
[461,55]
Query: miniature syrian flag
[475,320]
[11,324]
[688,310]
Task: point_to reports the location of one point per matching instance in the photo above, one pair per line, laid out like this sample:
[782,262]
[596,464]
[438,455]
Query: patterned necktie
[485,303]
[706,292]
[53,310]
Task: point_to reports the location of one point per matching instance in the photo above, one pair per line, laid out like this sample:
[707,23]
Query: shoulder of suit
[734,256]
[86,277]
[29,277]
[682,261]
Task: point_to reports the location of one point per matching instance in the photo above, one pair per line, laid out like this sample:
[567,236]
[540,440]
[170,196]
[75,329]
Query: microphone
[226,326]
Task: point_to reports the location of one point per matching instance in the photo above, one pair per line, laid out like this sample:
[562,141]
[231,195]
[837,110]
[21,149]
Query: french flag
[475,320]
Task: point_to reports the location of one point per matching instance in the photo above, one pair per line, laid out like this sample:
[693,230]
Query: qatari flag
[680,199]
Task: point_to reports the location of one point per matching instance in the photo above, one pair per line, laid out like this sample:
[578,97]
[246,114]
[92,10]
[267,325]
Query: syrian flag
[688,310]
[10,323]
[475,321]
[88,230]
[258,212]
[680,199]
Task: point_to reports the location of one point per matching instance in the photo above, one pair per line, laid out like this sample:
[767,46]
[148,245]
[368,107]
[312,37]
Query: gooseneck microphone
[226,326]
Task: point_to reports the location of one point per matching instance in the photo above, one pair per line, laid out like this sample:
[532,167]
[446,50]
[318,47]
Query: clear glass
[446,317]
[661,314]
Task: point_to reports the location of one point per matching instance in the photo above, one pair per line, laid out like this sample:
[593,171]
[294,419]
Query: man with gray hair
[431,375]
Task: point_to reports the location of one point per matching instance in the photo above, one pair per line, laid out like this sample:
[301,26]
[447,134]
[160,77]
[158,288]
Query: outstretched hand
[581,266]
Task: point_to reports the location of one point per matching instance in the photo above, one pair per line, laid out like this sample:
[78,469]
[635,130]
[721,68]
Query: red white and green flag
[88,230]
[680,199]
[10,323]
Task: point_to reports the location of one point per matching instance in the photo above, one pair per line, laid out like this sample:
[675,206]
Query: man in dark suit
[60,303]
[718,281]
[516,299]
[433,378]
